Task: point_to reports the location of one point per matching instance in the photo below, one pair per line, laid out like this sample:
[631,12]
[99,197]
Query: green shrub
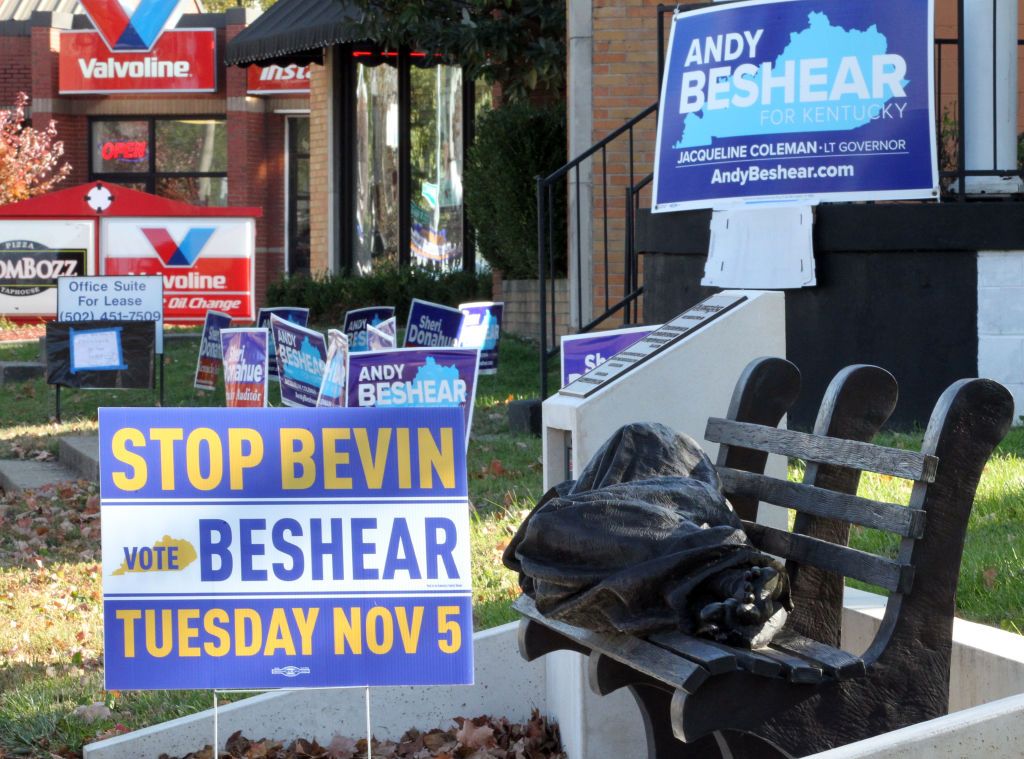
[513,145]
[328,297]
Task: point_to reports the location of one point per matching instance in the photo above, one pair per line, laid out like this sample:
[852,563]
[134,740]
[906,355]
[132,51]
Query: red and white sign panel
[278,80]
[206,263]
[182,60]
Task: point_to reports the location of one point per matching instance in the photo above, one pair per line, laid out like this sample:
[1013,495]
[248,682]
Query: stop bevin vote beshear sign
[249,548]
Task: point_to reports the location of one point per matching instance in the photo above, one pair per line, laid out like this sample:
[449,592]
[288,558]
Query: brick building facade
[246,134]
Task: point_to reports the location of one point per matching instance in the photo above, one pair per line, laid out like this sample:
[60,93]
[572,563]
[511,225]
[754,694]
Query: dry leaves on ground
[479,738]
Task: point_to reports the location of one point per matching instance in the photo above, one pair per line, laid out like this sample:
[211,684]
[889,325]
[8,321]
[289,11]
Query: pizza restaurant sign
[134,49]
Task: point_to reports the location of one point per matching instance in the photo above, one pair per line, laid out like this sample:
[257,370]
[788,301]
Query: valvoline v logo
[173,253]
[131,31]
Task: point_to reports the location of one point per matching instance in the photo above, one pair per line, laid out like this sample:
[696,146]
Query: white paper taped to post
[765,248]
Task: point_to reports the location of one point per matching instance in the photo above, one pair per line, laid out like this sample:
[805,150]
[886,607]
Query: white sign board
[33,254]
[130,299]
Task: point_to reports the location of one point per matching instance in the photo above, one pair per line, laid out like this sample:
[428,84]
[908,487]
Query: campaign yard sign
[481,329]
[210,356]
[244,351]
[412,377]
[332,389]
[293,548]
[809,99]
[581,353]
[384,337]
[294,315]
[301,358]
[358,319]
[432,325]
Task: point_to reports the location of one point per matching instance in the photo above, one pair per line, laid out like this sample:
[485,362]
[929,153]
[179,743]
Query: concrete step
[20,371]
[16,476]
[81,455]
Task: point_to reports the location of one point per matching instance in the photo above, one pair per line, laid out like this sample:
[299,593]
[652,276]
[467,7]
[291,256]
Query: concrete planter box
[987,699]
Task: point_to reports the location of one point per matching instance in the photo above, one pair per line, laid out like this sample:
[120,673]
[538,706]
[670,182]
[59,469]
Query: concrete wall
[1001,320]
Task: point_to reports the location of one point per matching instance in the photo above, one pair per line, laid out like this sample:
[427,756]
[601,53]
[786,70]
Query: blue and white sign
[294,548]
[294,315]
[332,389]
[95,350]
[803,99]
[481,329]
[581,353]
[383,337]
[301,358]
[210,356]
[358,319]
[413,377]
[432,325]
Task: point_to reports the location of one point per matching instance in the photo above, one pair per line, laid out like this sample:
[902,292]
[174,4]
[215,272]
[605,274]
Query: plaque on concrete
[643,350]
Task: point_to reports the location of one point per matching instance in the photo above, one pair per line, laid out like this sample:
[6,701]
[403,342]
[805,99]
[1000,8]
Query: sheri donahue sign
[271,548]
[809,99]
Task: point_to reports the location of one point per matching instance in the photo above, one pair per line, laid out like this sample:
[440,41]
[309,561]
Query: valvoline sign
[206,263]
[135,50]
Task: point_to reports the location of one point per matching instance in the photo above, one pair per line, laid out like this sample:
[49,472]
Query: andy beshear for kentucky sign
[815,99]
[269,548]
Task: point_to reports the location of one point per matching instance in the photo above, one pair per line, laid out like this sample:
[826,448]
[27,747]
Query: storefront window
[376,228]
[436,163]
[298,195]
[181,159]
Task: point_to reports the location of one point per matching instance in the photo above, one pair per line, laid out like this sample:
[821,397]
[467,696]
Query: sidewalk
[77,459]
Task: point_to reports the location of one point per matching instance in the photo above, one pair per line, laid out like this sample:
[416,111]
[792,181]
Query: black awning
[295,31]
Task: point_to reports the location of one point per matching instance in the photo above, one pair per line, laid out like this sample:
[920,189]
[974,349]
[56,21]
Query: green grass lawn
[50,588]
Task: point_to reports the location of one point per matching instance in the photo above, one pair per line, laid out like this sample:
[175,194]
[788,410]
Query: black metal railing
[951,131]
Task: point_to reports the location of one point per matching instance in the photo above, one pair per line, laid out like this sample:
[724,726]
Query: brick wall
[319,169]
[15,68]
[521,313]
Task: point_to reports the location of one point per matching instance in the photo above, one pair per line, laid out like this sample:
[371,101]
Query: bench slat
[910,465]
[642,656]
[820,502]
[794,668]
[843,560]
[715,660]
[834,661]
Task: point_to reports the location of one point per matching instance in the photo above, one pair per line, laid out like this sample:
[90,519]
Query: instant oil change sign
[797,98]
[291,548]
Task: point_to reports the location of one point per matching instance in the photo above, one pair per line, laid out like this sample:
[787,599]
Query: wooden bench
[803,693]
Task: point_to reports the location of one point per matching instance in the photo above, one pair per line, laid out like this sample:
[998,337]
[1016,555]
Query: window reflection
[376,166]
[436,158]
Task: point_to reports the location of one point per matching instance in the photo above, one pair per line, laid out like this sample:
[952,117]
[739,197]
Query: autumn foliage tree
[31,160]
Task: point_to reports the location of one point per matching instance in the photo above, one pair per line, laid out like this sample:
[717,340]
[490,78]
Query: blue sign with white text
[797,99]
[295,548]
[432,325]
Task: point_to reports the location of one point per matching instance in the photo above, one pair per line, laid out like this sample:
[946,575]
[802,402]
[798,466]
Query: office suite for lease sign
[270,548]
[797,98]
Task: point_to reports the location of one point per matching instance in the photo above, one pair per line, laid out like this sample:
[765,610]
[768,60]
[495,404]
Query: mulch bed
[12,332]
[479,738]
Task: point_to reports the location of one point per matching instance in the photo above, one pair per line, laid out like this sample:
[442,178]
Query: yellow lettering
[449,627]
[248,645]
[166,636]
[300,457]
[404,456]
[374,464]
[239,461]
[278,634]
[166,436]
[333,458]
[210,620]
[137,480]
[193,461]
[306,624]
[186,632]
[129,617]
[379,643]
[410,632]
[441,460]
[346,631]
